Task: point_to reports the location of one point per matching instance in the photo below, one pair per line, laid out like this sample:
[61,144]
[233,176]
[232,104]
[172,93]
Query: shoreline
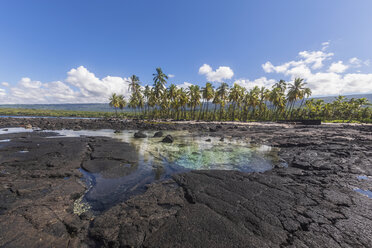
[312,202]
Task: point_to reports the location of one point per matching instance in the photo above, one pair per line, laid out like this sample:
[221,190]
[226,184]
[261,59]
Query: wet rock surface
[312,203]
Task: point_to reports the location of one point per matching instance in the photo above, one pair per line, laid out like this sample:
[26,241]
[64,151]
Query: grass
[54,113]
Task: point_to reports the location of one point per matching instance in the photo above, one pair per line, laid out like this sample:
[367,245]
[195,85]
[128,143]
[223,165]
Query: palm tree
[253,99]
[183,100]
[306,94]
[207,94]
[263,95]
[114,102]
[223,92]
[194,98]
[277,97]
[122,102]
[159,81]
[146,94]
[235,97]
[295,93]
[216,101]
[134,82]
[159,101]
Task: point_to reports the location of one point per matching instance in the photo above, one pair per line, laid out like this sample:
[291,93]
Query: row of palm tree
[283,101]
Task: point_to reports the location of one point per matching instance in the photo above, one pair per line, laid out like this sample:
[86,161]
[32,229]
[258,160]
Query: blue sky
[41,41]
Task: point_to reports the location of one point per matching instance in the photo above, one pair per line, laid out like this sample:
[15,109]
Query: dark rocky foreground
[312,203]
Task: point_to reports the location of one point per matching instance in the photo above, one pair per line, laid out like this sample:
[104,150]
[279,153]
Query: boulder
[158,134]
[140,135]
[208,140]
[168,139]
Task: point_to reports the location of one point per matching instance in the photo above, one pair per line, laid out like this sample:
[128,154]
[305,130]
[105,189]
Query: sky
[83,51]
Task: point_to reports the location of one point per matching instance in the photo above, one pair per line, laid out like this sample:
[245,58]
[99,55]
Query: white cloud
[355,62]
[325,45]
[222,73]
[316,58]
[184,85]
[81,86]
[2,92]
[171,76]
[332,81]
[260,82]
[338,67]
[28,83]
[6,84]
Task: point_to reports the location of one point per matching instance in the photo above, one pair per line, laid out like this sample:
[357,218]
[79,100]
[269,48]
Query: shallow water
[367,193]
[157,160]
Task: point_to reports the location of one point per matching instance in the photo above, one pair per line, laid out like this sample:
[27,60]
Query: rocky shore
[319,200]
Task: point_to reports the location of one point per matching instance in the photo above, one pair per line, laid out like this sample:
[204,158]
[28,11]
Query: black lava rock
[168,139]
[158,134]
[140,135]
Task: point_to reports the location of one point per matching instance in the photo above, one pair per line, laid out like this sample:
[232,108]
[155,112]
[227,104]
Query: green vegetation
[61,113]
[283,101]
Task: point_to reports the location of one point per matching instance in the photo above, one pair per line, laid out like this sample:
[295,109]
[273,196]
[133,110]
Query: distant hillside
[332,98]
[106,108]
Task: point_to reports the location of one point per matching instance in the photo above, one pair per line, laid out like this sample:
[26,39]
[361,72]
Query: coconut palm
[159,81]
[159,101]
[235,97]
[122,102]
[223,93]
[263,95]
[295,92]
[194,98]
[183,100]
[146,94]
[114,102]
[207,94]
[133,83]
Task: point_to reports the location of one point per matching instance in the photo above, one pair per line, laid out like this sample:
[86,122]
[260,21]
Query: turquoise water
[192,152]
[157,161]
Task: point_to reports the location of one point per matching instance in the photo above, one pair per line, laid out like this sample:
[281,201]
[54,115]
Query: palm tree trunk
[214,112]
[207,111]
